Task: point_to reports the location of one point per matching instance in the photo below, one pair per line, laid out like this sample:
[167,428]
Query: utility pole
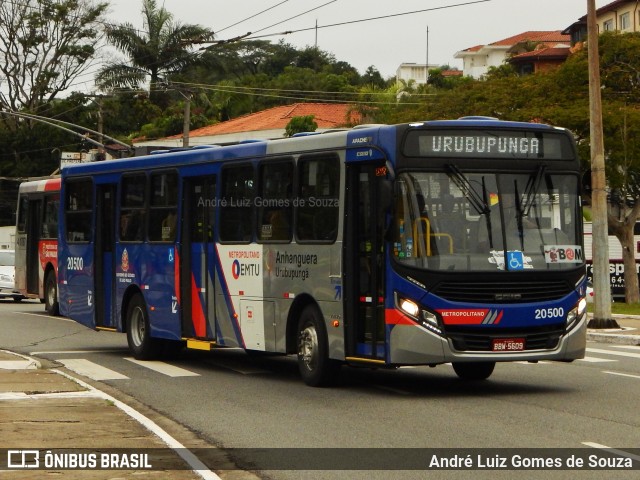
[601,284]
[187,119]
[426,65]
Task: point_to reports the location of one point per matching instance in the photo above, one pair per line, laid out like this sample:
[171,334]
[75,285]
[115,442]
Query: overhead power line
[250,17]
[253,36]
[350,22]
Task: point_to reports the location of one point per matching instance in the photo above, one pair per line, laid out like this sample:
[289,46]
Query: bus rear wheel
[141,344]
[51,294]
[316,368]
[474,370]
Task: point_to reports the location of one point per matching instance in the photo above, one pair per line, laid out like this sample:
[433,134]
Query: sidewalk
[43,408]
[627,334]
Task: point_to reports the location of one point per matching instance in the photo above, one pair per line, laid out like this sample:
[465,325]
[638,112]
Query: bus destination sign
[486,144]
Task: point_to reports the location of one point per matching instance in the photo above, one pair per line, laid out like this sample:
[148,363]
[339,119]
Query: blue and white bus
[418,244]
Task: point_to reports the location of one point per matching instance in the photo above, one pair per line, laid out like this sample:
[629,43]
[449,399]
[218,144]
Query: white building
[477,60]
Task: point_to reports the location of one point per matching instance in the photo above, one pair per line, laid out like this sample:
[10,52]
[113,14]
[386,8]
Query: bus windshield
[487,221]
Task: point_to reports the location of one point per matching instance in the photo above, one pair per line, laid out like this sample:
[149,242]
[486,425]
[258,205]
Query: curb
[613,338]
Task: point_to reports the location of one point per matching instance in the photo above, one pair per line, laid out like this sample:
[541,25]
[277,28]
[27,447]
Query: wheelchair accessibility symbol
[515,260]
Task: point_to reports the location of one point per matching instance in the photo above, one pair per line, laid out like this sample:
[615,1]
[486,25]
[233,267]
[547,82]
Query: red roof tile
[555,36]
[558,53]
[326,115]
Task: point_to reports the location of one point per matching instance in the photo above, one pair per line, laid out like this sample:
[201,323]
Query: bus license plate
[507,344]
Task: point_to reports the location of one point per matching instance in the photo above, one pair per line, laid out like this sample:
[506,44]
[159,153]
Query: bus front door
[363,280]
[34,222]
[104,274]
[197,259]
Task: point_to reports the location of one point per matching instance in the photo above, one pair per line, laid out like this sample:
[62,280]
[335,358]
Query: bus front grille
[543,338]
[502,292]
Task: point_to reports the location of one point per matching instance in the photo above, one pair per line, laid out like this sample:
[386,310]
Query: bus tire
[141,344]
[316,368]
[474,370]
[51,294]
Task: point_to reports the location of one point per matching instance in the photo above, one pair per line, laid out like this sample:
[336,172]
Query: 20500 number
[75,263]
[556,312]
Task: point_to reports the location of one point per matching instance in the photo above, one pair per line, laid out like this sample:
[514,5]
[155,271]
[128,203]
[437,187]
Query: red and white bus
[37,241]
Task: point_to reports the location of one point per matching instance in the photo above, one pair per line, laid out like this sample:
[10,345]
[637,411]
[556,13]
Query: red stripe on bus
[52,185]
[395,317]
[197,311]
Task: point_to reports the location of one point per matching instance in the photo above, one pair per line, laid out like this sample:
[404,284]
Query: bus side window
[236,208]
[276,203]
[132,210]
[317,212]
[23,206]
[50,222]
[163,208]
[79,210]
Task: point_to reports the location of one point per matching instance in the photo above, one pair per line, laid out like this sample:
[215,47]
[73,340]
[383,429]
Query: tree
[305,123]
[44,46]
[164,49]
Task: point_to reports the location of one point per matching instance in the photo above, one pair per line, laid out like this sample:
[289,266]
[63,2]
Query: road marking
[622,453]
[628,347]
[621,374]
[611,352]
[540,362]
[18,365]
[91,370]
[596,360]
[187,455]
[164,368]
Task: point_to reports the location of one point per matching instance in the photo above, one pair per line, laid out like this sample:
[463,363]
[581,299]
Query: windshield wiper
[479,203]
[519,215]
[531,189]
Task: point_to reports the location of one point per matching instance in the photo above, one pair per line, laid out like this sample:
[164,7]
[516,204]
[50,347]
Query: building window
[625,21]
[607,26]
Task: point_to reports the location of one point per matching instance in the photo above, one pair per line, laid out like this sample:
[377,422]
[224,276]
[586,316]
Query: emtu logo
[235,269]
[241,269]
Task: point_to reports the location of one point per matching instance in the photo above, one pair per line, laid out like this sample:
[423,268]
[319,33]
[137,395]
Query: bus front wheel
[474,370]
[141,344]
[51,294]
[316,368]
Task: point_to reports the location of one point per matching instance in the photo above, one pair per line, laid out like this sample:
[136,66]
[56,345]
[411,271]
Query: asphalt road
[236,401]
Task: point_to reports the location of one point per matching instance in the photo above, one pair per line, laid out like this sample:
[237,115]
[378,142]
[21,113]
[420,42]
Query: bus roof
[349,138]
[43,185]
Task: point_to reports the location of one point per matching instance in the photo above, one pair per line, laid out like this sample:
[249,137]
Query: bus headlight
[420,315]
[576,314]
[409,307]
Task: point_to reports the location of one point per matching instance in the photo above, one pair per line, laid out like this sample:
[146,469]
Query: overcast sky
[453,25]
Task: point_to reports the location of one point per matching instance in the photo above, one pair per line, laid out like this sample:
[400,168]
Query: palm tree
[164,48]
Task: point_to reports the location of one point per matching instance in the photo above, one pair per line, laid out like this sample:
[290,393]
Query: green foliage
[45,45]
[164,49]
[301,124]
